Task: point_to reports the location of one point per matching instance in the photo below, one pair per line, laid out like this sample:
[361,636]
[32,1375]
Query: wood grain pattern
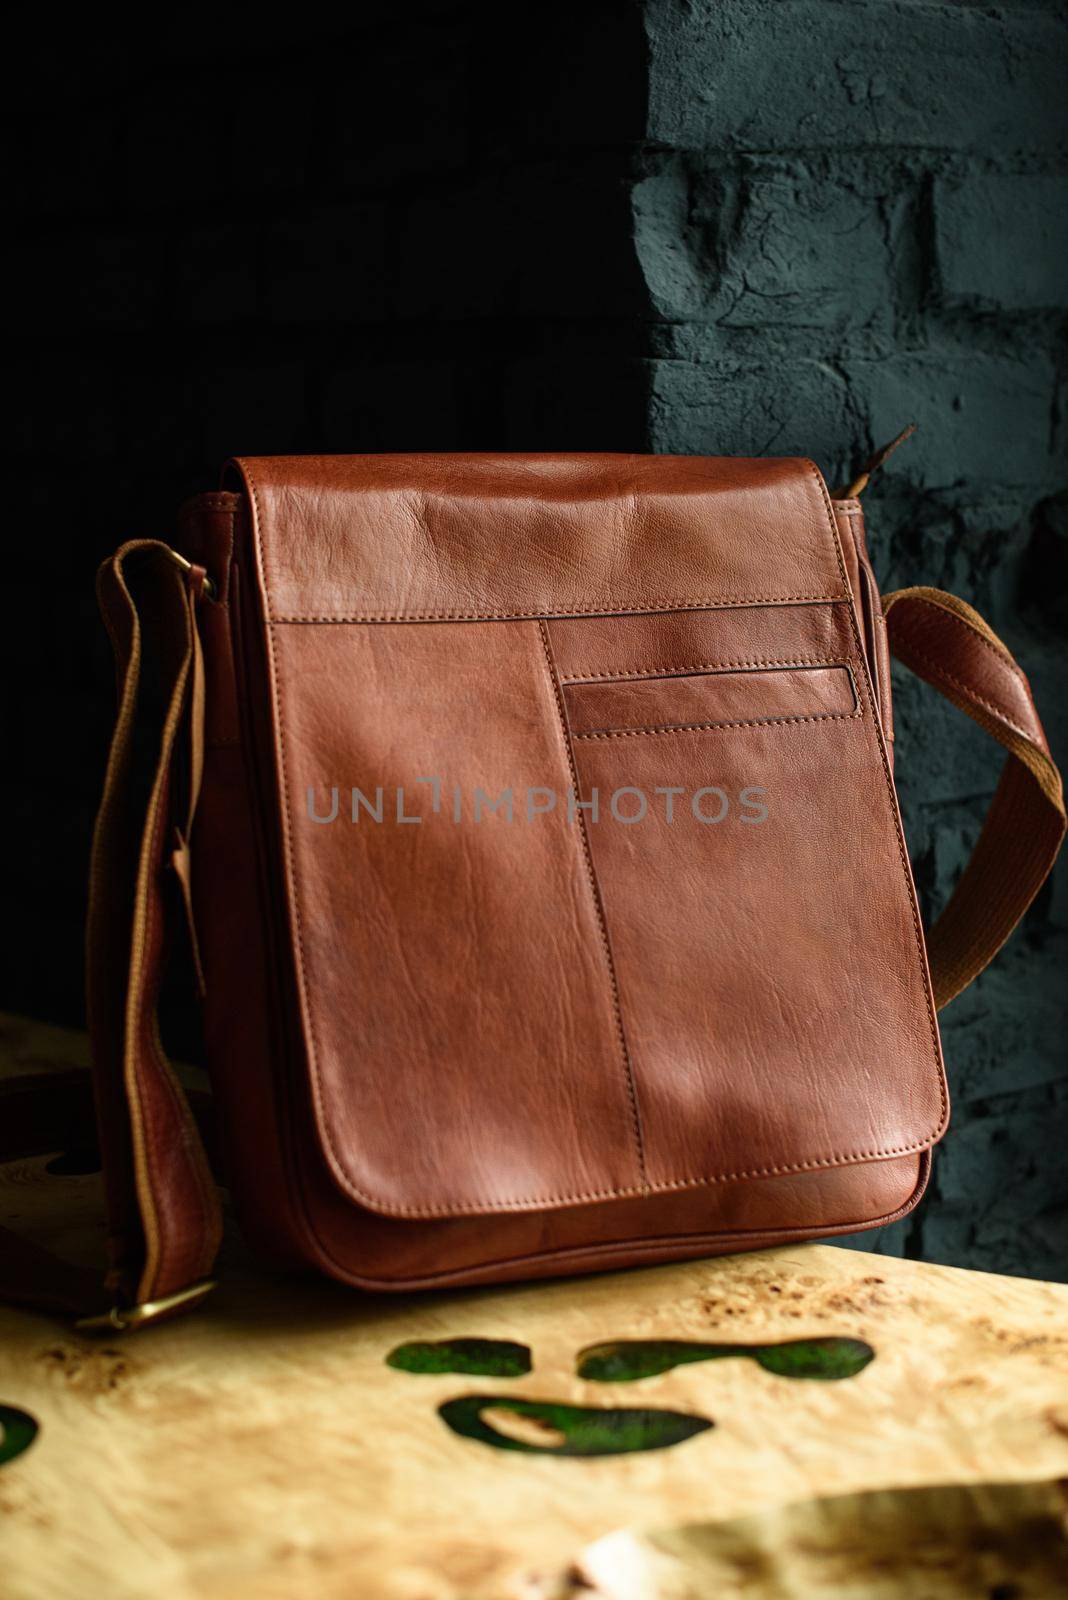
[263,1450]
[957,1542]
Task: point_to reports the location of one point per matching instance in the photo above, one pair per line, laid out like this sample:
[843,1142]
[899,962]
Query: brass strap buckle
[187,567]
[126,1319]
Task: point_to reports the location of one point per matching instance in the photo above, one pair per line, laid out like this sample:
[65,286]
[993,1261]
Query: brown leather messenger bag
[533,819]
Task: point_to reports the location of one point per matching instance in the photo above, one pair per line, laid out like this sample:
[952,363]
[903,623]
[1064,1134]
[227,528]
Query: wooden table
[263,1450]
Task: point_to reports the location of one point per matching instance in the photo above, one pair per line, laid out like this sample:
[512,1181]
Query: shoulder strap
[943,640]
[164,1217]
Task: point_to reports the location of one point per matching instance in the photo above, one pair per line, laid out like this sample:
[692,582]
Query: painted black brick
[851,216]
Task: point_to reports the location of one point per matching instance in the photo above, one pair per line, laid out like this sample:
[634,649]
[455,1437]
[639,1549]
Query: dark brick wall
[851,216]
[715,226]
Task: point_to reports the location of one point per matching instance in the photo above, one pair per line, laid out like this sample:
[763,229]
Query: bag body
[533,822]
[464,1049]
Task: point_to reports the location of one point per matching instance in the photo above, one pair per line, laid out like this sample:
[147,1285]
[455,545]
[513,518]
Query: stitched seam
[614,675]
[895,819]
[703,727]
[144,1193]
[557,1202]
[969,694]
[194,1161]
[598,906]
[655,1245]
[157,1249]
[292,881]
[701,603]
[230,505]
[233,743]
[1001,655]
[533,616]
[159,1255]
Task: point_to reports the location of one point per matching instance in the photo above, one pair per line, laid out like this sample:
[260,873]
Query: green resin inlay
[485,1358]
[624,1360]
[17,1432]
[585,1430]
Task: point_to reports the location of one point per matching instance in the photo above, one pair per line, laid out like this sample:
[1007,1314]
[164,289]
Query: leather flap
[514,992]
[440,537]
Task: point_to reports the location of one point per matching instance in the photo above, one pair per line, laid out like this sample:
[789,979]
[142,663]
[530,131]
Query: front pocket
[762,922]
[695,701]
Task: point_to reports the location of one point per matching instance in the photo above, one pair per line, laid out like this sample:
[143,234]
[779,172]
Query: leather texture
[947,643]
[444,537]
[560,1012]
[458,1034]
[684,1037]
[164,1208]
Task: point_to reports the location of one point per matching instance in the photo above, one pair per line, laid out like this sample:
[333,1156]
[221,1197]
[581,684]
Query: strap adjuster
[188,567]
[126,1319]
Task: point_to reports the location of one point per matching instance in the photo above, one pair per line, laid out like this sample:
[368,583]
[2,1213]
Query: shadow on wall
[397,233]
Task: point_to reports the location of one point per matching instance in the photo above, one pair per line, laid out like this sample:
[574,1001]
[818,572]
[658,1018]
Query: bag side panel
[849,515]
[249,1040]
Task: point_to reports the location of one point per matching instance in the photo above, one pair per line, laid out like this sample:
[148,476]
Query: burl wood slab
[263,1449]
